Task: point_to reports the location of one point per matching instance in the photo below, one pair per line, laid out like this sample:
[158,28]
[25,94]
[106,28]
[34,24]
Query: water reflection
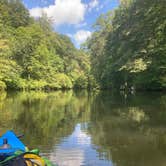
[130,131]
[77,149]
[81,128]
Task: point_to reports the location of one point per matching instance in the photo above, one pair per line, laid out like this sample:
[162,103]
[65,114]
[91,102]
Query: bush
[63,81]
[92,83]
[2,85]
[36,84]
[81,82]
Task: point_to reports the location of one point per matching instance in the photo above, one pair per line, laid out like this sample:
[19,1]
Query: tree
[132,53]
[40,57]
[13,13]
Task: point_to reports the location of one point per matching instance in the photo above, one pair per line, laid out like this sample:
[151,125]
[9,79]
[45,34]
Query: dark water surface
[81,128]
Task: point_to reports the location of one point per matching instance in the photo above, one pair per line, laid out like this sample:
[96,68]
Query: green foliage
[61,81]
[131,49]
[92,83]
[96,45]
[2,85]
[32,56]
[81,82]
[9,71]
[13,13]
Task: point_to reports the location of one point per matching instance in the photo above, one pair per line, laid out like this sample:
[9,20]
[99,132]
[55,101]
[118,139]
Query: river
[89,128]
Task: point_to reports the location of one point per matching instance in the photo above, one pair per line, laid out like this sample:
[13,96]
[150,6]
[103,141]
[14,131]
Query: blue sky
[71,17]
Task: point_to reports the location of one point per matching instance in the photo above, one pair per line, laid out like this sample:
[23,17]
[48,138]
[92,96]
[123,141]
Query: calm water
[81,128]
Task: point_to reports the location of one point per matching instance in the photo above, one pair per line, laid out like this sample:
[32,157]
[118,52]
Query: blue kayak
[13,141]
[14,153]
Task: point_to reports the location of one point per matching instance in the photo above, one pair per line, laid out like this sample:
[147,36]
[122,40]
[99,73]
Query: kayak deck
[16,154]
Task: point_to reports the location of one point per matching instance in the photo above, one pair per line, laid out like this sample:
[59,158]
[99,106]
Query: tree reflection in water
[110,129]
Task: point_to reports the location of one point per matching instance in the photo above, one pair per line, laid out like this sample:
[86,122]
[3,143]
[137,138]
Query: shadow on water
[83,128]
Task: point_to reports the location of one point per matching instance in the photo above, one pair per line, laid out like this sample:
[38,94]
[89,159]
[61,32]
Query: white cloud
[93,4]
[81,36]
[62,11]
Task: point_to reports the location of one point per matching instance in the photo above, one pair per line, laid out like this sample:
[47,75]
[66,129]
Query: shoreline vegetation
[127,50]
[128,46]
[34,57]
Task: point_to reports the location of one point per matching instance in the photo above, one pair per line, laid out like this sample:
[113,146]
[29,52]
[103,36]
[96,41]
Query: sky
[73,18]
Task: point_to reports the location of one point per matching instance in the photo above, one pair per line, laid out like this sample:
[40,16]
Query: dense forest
[127,50]
[33,56]
[128,47]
